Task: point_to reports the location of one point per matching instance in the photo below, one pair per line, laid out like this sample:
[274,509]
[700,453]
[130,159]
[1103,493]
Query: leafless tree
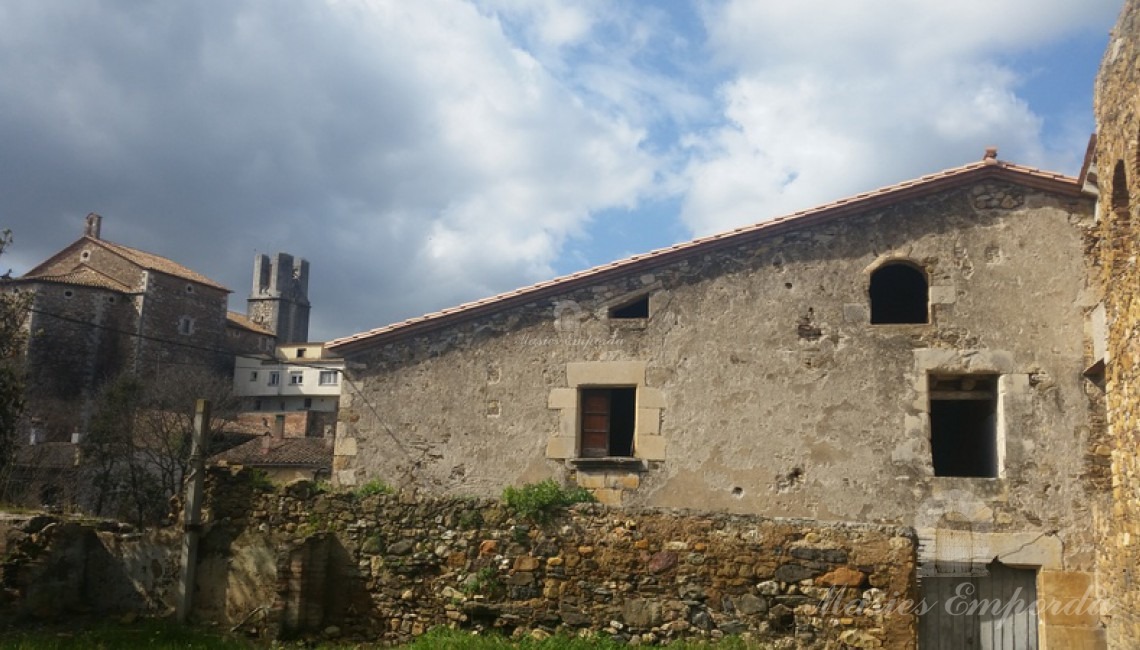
[138,446]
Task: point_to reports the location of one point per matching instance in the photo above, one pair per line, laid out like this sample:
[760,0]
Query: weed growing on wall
[484,582]
[375,486]
[539,502]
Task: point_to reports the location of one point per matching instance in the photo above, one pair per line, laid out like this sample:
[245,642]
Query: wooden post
[192,511]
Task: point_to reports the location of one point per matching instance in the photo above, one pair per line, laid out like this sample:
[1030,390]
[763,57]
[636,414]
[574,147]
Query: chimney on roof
[991,154]
[94,226]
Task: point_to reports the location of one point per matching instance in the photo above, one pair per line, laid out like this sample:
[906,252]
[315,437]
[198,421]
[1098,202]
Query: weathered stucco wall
[770,391]
[1118,170]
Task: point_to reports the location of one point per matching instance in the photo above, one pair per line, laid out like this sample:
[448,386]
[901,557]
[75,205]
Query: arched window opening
[899,294]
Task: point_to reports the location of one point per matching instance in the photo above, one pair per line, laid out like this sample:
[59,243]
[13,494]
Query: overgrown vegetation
[161,635]
[259,480]
[13,311]
[147,633]
[375,486]
[541,501]
[138,444]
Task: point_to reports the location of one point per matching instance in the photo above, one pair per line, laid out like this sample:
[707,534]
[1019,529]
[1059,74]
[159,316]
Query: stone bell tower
[279,300]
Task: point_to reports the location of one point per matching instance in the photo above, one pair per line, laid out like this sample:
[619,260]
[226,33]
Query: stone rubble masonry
[386,568]
[390,567]
[1118,174]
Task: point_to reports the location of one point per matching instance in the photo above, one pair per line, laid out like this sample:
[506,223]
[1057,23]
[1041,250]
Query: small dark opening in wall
[608,419]
[899,294]
[637,309]
[963,426]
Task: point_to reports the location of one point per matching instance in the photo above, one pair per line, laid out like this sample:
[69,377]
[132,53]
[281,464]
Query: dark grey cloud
[405,149]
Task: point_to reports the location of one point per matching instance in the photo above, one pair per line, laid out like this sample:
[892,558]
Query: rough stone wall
[387,568]
[390,567]
[166,301]
[242,341]
[1117,101]
[52,569]
[772,392]
[75,342]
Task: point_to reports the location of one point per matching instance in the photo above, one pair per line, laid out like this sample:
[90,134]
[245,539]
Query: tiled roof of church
[152,262]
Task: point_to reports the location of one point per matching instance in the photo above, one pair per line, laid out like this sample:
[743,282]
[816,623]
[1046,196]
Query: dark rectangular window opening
[963,425]
[637,309]
[608,416]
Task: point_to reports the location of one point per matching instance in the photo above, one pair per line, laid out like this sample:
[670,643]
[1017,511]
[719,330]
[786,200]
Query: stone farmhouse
[914,355]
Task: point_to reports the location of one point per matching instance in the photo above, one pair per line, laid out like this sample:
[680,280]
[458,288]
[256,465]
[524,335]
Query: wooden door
[992,612]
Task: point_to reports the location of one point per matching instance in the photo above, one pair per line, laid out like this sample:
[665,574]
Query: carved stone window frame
[648,443]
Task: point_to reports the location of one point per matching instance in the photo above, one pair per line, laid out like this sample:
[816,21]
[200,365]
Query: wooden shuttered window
[607,422]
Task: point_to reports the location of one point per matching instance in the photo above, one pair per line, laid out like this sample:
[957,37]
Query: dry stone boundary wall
[302,562]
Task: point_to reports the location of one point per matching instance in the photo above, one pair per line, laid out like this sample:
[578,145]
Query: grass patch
[448,639]
[539,502]
[146,633]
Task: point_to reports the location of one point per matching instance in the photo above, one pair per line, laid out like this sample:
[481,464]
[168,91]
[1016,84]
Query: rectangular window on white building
[296,378]
[328,378]
[253,375]
[274,378]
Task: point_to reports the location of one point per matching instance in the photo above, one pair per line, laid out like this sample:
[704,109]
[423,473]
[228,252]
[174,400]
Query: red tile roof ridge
[989,165]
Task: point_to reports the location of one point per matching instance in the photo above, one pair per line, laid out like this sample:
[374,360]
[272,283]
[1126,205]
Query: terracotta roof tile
[244,322]
[84,276]
[930,183]
[153,262]
[267,451]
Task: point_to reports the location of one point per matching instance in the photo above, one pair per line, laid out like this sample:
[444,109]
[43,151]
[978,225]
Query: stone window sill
[629,323]
[608,463]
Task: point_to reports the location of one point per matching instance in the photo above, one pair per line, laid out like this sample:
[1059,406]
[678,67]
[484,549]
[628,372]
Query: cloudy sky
[423,153]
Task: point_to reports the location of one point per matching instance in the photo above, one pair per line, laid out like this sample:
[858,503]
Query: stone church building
[101,309]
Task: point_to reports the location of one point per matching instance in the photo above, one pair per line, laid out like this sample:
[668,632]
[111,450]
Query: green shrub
[541,501]
[375,486]
[470,519]
[259,479]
